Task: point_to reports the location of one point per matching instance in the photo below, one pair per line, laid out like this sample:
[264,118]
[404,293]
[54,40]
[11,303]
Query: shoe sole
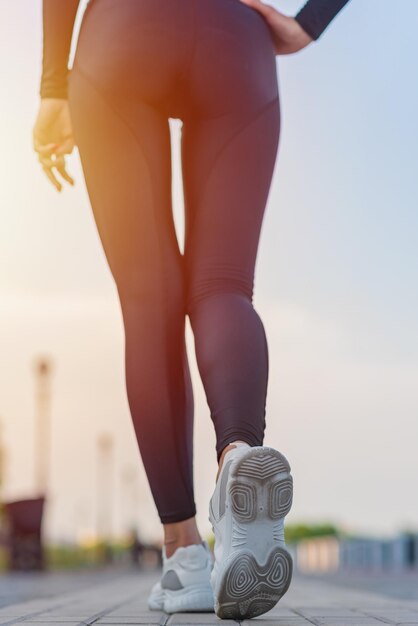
[195,599]
[259,571]
[155,600]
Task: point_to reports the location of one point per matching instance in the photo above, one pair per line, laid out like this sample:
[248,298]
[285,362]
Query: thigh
[227,170]
[127,170]
[229,146]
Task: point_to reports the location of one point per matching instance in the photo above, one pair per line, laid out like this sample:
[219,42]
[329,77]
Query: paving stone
[277,621]
[54,623]
[327,611]
[49,621]
[394,615]
[149,618]
[348,621]
[189,619]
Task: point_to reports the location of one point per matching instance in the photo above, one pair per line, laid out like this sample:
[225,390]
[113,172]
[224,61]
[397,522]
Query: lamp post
[2,458]
[104,485]
[2,473]
[129,480]
[42,369]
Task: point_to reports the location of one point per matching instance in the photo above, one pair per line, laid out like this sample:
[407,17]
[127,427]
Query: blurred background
[336,287]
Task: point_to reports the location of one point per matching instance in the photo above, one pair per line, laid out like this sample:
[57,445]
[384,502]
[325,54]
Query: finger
[48,148]
[52,178]
[61,169]
[50,160]
[59,164]
[255,4]
[46,161]
[66,147]
[264,9]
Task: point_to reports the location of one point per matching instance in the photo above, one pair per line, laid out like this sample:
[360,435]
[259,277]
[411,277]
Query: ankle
[171,545]
[227,448]
[180,535]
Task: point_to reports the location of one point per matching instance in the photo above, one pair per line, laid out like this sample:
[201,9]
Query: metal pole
[43,369]
[104,487]
[2,459]
[129,481]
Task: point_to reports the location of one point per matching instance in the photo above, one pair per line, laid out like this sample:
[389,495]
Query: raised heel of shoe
[261,485]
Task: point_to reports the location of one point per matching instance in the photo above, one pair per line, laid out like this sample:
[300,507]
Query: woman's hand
[288,34]
[53,137]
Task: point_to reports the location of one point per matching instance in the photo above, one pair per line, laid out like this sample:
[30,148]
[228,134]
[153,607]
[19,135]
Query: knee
[138,293]
[216,292]
[156,290]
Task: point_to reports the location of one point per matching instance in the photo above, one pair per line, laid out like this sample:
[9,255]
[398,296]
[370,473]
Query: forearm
[316,15]
[58,17]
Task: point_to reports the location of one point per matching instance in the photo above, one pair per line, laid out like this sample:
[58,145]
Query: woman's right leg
[230,140]
[229,147]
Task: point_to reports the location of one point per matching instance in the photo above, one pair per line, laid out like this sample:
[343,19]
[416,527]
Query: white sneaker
[252,569]
[185,582]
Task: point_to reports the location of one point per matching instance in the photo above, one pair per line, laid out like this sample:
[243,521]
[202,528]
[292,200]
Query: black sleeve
[58,17]
[315,15]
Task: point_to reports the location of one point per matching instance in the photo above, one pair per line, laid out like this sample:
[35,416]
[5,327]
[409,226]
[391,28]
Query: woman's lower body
[210,63]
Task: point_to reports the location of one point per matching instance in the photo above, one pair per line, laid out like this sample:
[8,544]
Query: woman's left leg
[127,169]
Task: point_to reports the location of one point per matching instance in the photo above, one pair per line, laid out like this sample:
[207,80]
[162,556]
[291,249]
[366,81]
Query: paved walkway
[121,601]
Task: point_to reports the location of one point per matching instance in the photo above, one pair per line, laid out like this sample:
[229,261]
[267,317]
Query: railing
[330,554]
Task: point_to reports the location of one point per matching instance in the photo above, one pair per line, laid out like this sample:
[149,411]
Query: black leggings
[211,64]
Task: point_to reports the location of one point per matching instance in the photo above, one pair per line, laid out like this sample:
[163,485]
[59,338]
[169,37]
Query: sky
[335,285]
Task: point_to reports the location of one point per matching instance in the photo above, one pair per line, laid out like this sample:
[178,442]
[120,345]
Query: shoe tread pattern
[260,488]
[249,590]
[258,472]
